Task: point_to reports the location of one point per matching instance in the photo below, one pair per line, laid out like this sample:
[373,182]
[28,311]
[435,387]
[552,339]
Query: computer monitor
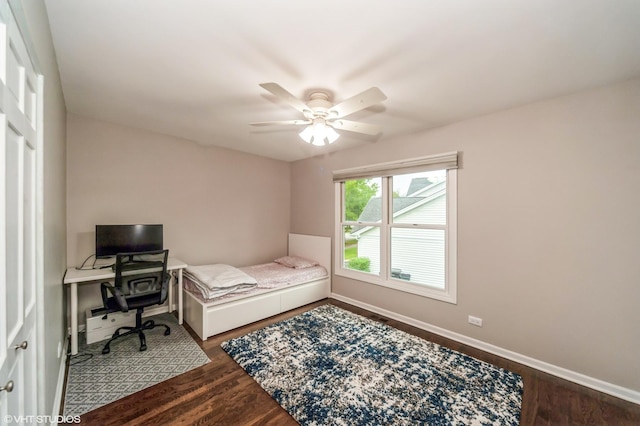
[114,239]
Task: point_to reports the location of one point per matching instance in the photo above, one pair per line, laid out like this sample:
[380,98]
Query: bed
[210,317]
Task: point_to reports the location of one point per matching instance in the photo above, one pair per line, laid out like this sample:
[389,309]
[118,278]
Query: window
[396,225]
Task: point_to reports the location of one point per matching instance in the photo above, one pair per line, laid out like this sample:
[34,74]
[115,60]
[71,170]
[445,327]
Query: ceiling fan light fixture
[319,134]
[307,134]
[331,134]
[323,117]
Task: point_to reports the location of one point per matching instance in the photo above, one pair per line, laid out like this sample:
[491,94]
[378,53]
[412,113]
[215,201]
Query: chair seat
[134,303]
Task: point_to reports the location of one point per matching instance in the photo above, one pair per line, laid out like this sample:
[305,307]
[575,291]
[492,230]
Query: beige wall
[548,229]
[32,15]
[216,205]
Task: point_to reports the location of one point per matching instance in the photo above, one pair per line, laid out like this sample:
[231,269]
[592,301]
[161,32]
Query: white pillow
[296,262]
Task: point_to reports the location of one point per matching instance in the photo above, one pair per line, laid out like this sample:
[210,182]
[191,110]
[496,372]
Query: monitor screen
[114,239]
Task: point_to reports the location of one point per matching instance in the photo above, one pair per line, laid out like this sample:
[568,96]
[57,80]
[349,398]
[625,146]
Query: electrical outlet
[59,349]
[475,321]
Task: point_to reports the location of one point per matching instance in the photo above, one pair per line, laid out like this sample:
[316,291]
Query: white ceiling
[191,68]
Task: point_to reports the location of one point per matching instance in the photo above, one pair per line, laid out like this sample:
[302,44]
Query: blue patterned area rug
[95,379]
[330,366]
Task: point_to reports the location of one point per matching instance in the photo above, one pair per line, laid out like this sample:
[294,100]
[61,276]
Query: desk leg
[171,294]
[180,296]
[73,290]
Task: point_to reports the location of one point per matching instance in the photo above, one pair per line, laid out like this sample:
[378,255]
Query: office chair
[141,280]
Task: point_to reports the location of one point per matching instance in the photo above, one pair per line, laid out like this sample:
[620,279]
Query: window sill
[407,287]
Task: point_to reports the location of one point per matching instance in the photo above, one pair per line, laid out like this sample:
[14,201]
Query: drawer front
[101,334]
[227,317]
[304,294]
[112,320]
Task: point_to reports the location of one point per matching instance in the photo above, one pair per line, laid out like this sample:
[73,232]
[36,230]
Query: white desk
[74,276]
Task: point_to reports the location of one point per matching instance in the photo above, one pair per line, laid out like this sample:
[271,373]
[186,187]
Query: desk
[74,276]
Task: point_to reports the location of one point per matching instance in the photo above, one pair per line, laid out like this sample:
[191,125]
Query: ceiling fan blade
[356,126]
[356,103]
[281,123]
[281,93]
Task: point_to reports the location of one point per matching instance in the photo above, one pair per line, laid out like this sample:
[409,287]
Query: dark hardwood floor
[221,393]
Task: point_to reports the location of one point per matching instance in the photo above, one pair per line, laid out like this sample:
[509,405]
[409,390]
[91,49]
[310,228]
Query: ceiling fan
[322,117]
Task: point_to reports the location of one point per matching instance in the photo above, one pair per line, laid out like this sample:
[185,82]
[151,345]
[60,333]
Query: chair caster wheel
[167,332]
[143,348]
[106,351]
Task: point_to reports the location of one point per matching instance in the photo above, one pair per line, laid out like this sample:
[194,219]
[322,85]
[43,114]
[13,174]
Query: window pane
[362,201]
[420,198]
[361,251]
[417,255]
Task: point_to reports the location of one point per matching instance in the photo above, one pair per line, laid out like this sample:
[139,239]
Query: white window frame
[446,162]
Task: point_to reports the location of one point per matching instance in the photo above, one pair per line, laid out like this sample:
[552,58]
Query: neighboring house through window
[396,225]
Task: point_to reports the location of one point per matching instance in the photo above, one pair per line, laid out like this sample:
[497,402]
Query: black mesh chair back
[143,274]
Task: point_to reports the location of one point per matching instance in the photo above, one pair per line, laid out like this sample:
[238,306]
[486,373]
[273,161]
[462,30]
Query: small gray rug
[95,379]
[329,366]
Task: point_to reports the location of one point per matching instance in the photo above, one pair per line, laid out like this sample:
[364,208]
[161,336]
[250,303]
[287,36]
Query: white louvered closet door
[18,137]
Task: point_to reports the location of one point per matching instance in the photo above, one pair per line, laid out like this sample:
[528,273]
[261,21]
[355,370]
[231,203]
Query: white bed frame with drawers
[211,318]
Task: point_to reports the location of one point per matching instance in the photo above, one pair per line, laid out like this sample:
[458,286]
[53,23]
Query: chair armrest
[103,290]
[117,296]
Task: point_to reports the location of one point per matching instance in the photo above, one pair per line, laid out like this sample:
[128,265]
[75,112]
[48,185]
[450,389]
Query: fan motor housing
[319,104]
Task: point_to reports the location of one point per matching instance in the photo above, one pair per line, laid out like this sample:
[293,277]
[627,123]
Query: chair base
[138,329]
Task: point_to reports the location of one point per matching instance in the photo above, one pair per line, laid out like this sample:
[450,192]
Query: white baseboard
[572,376]
[57,399]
